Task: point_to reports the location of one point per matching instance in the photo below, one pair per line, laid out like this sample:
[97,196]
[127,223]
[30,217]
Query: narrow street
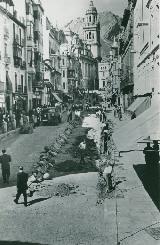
[79,122]
[68,219]
[25,148]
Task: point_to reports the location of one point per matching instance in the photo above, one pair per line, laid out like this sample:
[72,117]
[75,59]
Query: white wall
[147,51]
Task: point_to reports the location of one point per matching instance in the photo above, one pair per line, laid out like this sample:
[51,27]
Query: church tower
[92,31]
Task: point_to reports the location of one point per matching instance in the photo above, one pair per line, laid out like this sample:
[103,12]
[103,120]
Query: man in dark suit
[5,160]
[22,187]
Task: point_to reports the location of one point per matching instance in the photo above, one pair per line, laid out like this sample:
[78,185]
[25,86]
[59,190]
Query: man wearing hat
[5,160]
[22,187]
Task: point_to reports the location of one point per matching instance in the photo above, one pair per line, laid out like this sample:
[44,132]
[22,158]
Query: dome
[92,8]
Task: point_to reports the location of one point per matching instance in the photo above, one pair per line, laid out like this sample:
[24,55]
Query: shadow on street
[41,199]
[19,243]
[150,181]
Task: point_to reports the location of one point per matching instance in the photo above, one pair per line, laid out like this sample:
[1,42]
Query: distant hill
[110,27]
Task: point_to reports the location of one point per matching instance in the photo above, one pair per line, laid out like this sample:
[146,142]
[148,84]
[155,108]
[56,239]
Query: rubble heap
[47,156]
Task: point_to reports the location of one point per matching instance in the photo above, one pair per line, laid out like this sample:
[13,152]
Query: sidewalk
[138,219]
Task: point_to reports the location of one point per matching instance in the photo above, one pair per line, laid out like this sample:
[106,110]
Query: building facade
[38,84]
[103,71]
[147,47]
[30,45]
[13,87]
[126,46]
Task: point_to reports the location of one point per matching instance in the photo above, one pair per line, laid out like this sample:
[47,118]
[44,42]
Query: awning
[139,105]
[57,97]
[147,124]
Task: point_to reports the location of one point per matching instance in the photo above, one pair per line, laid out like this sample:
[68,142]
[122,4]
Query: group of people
[22,177]
[118,111]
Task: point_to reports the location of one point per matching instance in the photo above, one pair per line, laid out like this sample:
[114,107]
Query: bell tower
[92,31]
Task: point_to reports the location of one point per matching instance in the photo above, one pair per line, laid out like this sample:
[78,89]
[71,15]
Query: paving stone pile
[47,156]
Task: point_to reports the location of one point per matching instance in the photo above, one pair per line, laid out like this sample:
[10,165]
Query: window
[103,74]
[63,62]
[29,57]
[29,83]
[22,82]
[90,35]
[29,30]
[103,83]
[20,37]
[35,14]
[87,36]
[16,86]
[27,8]
[89,18]
[64,85]
[63,73]
[14,31]
[5,49]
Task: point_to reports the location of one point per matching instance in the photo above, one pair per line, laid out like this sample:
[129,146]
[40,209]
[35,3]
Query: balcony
[7,60]
[23,42]
[23,65]
[29,38]
[25,89]
[6,33]
[20,89]
[38,84]
[17,61]
[2,87]
[71,73]
[16,39]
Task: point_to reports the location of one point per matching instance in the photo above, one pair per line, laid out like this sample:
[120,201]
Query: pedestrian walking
[22,187]
[82,147]
[133,115]
[69,115]
[120,113]
[104,117]
[105,140]
[5,160]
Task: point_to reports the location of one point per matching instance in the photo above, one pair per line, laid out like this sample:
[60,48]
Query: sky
[60,12]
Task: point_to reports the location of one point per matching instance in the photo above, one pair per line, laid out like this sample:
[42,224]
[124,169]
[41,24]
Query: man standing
[5,160]
[22,187]
[148,152]
[82,147]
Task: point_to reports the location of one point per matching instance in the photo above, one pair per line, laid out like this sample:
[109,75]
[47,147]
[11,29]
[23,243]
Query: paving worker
[22,187]
[133,115]
[82,147]
[105,140]
[107,174]
[5,160]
